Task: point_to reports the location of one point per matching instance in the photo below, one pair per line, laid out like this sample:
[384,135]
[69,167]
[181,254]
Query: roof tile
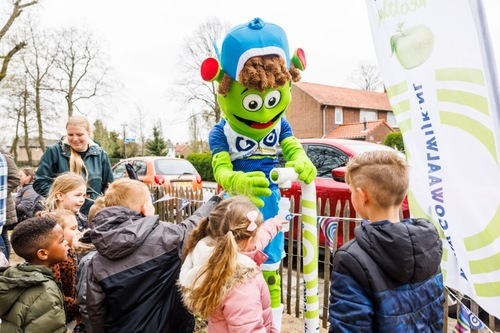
[345,97]
[356,130]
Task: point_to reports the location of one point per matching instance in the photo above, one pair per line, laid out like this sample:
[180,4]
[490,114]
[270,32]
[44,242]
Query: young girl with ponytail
[220,278]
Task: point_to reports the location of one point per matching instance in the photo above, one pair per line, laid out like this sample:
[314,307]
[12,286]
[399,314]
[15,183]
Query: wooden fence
[175,209]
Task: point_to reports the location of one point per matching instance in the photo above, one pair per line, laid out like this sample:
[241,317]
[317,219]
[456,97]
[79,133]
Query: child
[26,198]
[388,278]
[68,192]
[31,299]
[9,181]
[132,279]
[85,250]
[65,272]
[220,278]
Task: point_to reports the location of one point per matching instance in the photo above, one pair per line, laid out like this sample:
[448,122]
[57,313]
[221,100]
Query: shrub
[395,140]
[203,163]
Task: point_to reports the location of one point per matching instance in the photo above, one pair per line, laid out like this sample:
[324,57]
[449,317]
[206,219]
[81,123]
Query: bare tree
[138,127]
[82,67]
[17,8]
[24,119]
[13,148]
[38,61]
[191,90]
[195,135]
[366,77]
[17,101]
[13,108]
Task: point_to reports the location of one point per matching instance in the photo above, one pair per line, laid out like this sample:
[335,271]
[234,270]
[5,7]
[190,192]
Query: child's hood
[118,231]
[405,251]
[82,243]
[16,279]
[197,260]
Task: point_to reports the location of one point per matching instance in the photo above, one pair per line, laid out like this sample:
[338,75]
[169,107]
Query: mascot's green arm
[252,184]
[297,158]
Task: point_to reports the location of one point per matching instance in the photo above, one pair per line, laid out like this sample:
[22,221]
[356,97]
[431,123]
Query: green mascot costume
[255,74]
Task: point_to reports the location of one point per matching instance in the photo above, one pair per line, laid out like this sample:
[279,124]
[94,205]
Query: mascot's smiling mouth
[257,125]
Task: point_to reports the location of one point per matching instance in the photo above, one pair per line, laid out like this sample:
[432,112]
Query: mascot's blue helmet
[245,41]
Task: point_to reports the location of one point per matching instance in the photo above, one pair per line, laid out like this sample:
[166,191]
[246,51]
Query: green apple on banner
[412,46]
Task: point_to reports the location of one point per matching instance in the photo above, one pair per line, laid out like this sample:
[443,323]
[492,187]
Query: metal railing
[176,208]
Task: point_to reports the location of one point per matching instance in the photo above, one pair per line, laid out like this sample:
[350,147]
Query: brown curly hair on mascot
[262,72]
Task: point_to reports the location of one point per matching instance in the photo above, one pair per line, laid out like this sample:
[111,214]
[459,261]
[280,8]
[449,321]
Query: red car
[330,157]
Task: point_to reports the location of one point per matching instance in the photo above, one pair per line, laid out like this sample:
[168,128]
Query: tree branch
[16,11]
[8,57]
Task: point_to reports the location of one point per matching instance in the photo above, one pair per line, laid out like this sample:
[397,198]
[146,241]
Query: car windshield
[174,167]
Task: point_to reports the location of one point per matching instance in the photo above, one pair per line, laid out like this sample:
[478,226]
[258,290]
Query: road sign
[127,140]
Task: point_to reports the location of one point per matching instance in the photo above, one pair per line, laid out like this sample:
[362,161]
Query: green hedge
[395,140]
[203,163]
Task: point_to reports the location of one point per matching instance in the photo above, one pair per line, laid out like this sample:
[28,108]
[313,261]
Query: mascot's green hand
[251,184]
[297,159]
[304,168]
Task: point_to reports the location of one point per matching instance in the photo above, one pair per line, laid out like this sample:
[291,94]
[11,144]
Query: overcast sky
[144,40]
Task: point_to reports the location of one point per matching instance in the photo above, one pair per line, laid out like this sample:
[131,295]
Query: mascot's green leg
[273,280]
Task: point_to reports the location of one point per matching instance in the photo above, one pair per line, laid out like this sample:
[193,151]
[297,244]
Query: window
[391,119]
[367,115]
[140,168]
[174,167]
[119,171]
[325,159]
[339,115]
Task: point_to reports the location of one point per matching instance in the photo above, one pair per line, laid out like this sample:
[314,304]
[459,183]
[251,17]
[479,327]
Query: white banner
[439,71]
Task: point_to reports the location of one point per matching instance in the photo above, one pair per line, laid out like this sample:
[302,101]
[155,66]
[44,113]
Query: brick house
[316,110]
[36,151]
[182,150]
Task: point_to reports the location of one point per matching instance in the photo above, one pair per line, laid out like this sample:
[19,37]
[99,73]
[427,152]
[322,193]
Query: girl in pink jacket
[220,277]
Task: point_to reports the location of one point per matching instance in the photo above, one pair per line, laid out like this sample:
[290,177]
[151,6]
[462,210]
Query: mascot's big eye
[272,99]
[252,102]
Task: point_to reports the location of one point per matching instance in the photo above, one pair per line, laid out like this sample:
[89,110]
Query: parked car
[330,157]
[160,170]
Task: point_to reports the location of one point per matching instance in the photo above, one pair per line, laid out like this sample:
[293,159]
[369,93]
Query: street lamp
[124,141]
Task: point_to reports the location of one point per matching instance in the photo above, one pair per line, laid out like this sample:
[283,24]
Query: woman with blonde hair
[220,278]
[76,152]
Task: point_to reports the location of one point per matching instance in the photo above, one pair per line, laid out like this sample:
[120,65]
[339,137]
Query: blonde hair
[59,216]
[227,226]
[95,208]
[384,174]
[64,183]
[124,192]
[75,161]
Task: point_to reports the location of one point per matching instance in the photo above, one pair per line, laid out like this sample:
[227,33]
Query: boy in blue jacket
[388,278]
